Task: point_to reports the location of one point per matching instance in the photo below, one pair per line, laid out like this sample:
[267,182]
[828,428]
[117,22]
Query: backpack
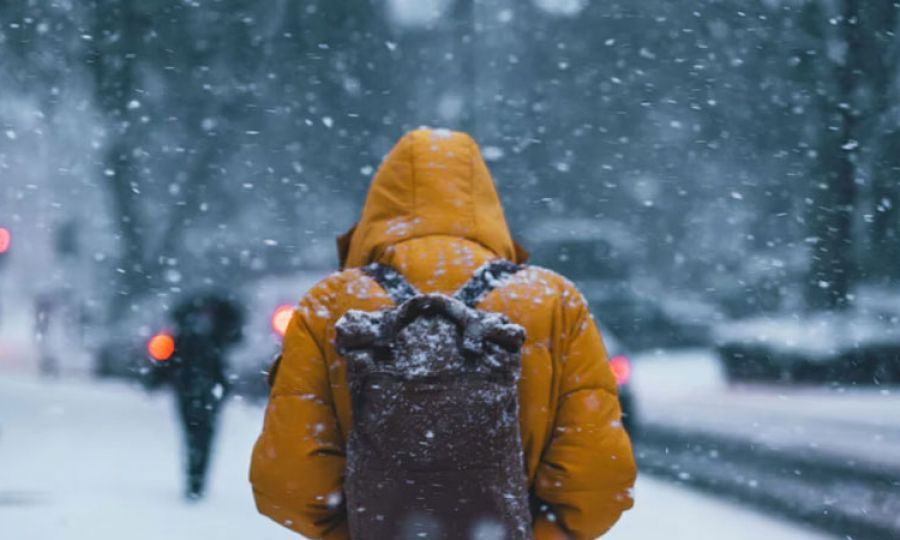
[434,450]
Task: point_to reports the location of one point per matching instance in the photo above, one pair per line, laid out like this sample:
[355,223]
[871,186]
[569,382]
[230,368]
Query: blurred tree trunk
[833,265]
[345,67]
[118,28]
[885,230]
[463,17]
[884,246]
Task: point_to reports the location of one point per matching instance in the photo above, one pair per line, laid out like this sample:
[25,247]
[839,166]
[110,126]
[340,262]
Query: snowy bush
[854,346]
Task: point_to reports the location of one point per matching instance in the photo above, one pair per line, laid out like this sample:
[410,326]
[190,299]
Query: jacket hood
[433,182]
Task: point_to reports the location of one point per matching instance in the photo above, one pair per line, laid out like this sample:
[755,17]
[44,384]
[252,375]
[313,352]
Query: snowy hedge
[859,346]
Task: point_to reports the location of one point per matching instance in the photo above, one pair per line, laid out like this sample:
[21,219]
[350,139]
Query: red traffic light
[5,240]
[161,347]
[281,318]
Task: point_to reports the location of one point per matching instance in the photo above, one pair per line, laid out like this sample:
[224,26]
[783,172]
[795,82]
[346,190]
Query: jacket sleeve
[587,470]
[298,461]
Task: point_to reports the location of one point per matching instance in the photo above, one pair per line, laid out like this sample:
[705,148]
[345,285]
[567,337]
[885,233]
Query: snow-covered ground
[668,511]
[86,460]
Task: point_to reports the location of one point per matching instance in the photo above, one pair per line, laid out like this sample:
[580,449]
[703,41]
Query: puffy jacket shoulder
[331,297]
[550,306]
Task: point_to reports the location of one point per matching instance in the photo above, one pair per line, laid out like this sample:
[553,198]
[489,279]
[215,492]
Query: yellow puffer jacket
[432,213]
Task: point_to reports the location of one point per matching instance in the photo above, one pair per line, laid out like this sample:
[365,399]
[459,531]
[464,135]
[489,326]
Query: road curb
[841,496]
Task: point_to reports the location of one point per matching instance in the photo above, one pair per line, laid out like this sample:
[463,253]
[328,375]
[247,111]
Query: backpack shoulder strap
[484,280]
[392,281]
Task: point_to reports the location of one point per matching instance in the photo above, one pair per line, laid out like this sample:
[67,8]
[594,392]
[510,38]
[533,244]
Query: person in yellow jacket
[432,213]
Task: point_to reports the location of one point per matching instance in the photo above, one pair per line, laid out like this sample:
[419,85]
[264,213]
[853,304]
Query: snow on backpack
[434,450]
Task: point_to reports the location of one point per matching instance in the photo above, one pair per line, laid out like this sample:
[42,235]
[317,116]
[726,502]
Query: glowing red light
[161,347]
[281,318]
[5,240]
[621,369]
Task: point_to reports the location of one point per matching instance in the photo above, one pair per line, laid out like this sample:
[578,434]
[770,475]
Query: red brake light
[621,369]
[281,318]
[161,347]
[5,240]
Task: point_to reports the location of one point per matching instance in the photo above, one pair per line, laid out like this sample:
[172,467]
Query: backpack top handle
[360,329]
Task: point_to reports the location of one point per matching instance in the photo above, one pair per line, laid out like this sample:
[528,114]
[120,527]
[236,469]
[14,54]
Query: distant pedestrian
[45,308]
[206,325]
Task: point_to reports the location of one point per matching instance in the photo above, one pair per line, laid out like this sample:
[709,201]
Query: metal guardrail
[841,496]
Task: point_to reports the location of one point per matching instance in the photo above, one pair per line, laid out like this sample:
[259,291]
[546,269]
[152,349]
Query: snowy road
[99,461]
[828,456]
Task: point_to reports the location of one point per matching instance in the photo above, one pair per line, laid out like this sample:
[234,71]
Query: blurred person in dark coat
[46,307]
[206,325]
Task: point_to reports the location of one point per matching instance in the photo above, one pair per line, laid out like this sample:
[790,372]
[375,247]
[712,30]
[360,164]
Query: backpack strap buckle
[392,281]
[484,280]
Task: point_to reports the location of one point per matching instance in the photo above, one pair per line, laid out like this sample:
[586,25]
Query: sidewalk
[100,461]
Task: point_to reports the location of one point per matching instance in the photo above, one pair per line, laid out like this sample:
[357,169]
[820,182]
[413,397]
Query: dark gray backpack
[434,450]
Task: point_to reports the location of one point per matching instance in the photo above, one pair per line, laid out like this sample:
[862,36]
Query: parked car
[620,364]
[601,258]
[584,248]
[270,303]
[125,350]
[649,317]
[120,348]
